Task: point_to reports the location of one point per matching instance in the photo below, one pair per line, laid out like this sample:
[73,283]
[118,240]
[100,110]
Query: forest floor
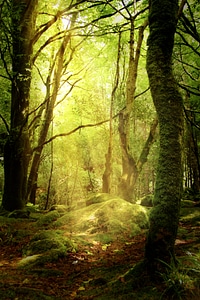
[96,270]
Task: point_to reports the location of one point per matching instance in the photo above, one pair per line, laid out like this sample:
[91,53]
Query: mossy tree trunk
[17,149]
[164,216]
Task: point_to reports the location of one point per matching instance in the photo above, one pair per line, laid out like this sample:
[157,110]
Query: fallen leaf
[81,288]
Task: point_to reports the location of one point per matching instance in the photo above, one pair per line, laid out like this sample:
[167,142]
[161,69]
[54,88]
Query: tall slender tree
[164,216]
[107,175]
[52,89]
[129,164]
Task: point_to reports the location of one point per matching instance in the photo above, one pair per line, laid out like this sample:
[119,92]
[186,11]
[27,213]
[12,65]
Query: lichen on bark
[164,216]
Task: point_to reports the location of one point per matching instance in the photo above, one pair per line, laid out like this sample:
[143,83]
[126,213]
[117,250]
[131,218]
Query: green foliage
[94,62]
[19,214]
[89,67]
[181,278]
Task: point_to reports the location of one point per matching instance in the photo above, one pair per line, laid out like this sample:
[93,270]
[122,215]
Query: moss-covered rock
[60,208]
[98,198]
[48,240]
[46,246]
[48,218]
[115,217]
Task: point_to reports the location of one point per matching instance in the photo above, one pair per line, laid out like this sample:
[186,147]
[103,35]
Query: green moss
[147,201]
[182,233]
[104,238]
[42,272]
[46,246]
[60,208]
[48,240]
[133,284]
[114,217]
[24,293]
[163,217]
[98,198]
[47,234]
[7,221]
[187,203]
[191,215]
[48,218]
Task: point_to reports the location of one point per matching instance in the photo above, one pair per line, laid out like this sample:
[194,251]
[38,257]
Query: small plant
[181,278]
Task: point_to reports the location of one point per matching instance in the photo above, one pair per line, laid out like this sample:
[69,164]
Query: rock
[62,209]
[98,198]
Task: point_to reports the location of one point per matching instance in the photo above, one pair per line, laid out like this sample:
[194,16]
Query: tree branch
[70,132]
[5,123]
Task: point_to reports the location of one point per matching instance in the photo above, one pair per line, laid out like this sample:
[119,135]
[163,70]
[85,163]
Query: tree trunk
[129,169]
[192,154]
[106,187]
[51,100]
[17,149]
[164,216]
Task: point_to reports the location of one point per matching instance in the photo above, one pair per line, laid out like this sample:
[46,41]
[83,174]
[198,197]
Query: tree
[17,148]
[52,88]
[164,216]
[107,175]
[129,164]
[186,58]
[90,95]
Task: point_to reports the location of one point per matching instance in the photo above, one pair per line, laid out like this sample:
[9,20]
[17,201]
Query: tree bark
[164,216]
[50,103]
[129,168]
[107,175]
[17,148]
[192,153]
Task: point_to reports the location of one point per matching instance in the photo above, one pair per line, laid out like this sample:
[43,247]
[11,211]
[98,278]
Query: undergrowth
[182,278]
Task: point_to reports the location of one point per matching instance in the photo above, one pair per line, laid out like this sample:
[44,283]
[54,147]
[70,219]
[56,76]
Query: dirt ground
[89,273]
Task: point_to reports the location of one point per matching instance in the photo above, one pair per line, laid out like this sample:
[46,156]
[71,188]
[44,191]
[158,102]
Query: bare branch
[189,89]
[140,94]
[181,6]
[70,132]
[5,123]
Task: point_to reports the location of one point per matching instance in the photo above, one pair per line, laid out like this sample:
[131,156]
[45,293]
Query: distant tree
[186,58]
[129,163]
[107,175]
[164,216]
